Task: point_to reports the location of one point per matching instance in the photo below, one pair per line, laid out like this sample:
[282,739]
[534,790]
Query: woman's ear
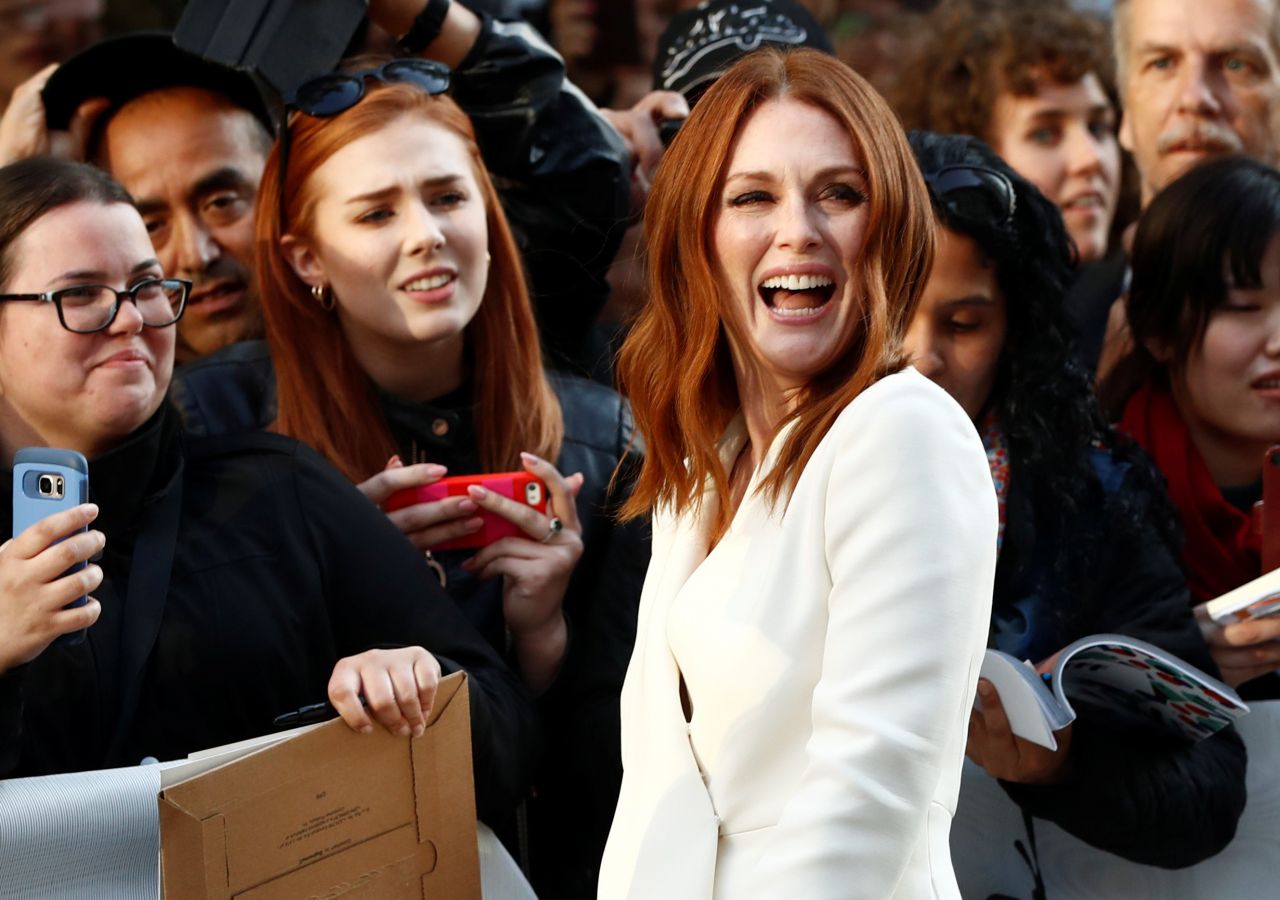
[302,259]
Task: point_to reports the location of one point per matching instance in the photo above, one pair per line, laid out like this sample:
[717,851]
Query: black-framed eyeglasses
[336,92]
[974,193]
[87,308]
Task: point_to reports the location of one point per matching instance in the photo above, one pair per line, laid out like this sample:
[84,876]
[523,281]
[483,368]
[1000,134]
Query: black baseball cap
[700,44]
[126,67]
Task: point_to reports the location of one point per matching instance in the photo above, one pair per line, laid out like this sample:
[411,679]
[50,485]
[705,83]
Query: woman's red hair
[325,397]
[675,365]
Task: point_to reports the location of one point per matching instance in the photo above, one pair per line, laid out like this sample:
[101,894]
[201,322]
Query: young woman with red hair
[815,613]
[405,348]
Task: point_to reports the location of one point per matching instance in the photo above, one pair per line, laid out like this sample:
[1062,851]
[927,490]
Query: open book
[1111,670]
[1252,600]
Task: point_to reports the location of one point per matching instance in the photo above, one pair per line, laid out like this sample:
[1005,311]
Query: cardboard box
[332,813]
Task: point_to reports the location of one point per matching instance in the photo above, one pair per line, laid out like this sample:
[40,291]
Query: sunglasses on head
[974,193]
[336,92]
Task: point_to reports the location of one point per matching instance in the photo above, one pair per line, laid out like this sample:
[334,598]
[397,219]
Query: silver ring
[556,527]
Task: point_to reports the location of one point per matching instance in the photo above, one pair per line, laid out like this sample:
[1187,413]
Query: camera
[51,486]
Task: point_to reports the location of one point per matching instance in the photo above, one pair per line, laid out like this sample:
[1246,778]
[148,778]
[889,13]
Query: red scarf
[1222,549]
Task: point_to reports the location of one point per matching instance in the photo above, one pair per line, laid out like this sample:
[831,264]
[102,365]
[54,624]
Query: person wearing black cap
[700,44]
[183,136]
[188,139]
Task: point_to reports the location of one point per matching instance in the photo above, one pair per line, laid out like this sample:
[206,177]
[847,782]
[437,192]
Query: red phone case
[518,486]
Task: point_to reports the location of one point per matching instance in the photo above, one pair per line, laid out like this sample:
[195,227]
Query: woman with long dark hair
[1086,545]
[1200,388]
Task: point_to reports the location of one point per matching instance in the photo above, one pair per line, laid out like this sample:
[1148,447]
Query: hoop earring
[323,296]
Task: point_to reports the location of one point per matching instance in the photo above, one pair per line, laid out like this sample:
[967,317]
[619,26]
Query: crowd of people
[843,341]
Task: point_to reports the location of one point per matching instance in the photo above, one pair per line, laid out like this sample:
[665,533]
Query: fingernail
[530,458]
[394,461]
[435,469]
[985,690]
[366,729]
[467,565]
[477,492]
[473,524]
[419,730]
[466,506]
[403,731]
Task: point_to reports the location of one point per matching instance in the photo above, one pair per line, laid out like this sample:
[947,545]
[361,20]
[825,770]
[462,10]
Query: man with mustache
[1200,78]
[188,139]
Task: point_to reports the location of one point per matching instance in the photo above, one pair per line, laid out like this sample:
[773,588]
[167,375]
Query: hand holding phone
[45,576]
[520,487]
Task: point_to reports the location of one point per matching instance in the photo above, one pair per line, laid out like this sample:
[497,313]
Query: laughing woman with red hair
[815,613]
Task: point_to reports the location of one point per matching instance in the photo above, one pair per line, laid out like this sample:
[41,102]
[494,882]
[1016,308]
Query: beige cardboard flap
[328,808]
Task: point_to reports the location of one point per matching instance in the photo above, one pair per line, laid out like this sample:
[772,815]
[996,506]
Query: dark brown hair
[32,187]
[1203,235]
[970,51]
[675,365]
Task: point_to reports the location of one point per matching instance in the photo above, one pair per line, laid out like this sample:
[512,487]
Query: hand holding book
[1003,754]
[1243,630]
[1125,675]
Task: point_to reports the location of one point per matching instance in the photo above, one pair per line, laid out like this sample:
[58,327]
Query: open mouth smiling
[797,296]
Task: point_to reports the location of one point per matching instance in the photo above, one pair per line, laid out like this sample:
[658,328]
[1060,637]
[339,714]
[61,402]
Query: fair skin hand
[1243,650]
[394,688]
[34,590]
[639,129]
[993,745]
[23,132]
[426,525]
[535,572]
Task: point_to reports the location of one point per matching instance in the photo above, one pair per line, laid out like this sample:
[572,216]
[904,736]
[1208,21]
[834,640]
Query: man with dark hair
[188,139]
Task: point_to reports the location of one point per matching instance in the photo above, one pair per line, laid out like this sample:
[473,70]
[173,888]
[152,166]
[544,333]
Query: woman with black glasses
[1084,542]
[231,579]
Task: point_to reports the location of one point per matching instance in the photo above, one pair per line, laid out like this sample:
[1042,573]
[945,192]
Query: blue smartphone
[47,480]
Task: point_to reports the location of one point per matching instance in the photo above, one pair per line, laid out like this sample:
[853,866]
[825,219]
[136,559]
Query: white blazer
[830,653]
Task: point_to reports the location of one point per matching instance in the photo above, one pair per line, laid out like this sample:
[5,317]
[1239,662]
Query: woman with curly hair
[1083,547]
[1036,81]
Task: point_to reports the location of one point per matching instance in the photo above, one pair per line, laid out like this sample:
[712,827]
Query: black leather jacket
[563,175]
[577,783]
[1142,796]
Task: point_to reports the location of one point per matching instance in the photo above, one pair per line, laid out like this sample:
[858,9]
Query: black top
[578,781]
[1150,798]
[280,568]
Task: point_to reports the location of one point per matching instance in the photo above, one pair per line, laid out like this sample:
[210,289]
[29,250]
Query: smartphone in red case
[521,487]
